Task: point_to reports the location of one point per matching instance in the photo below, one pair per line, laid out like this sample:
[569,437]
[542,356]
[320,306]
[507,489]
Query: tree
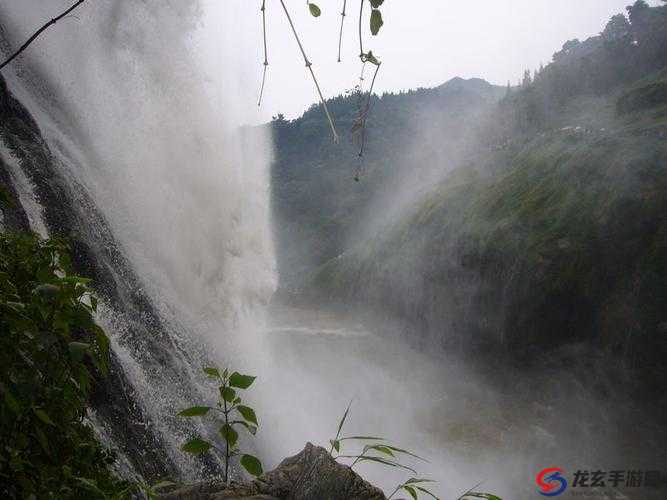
[617,33]
[527,79]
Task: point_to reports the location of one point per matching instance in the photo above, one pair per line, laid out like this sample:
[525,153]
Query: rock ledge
[311,475]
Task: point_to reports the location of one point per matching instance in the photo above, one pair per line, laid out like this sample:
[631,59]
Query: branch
[361,41]
[309,65]
[367,111]
[266,53]
[39,32]
[363,116]
[342,20]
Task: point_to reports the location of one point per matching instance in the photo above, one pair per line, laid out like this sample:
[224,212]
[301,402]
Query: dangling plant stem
[367,111]
[266,53]
[39,32]
[361,76]
[361,39]
[312,73]
[342,21]
[360,124]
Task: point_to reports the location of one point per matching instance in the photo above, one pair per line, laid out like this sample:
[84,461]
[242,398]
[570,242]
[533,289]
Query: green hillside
[551,227]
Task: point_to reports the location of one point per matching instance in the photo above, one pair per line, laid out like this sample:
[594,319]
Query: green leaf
[251,428]
[43,416]
[389,463]
[212,372]
[241,381]
[227,393]
[91,485]
[247,413]
[252,465]
[424,490]
[362,438]
[376,21]
[78,349]
[415,480]
[163,484]
[485,496]
[342,420]
[196,446]
[411,490]
[376,3]
[10,400]
[43,441]
[229,434]
[47,290]
[382,449]
[371,58]
[335,444]
[405,452]
[314,9]
[195,411]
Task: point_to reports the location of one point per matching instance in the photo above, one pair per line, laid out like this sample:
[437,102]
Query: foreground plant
[51,353]
[233,415]
[381,452]
[473,495]
[413,487]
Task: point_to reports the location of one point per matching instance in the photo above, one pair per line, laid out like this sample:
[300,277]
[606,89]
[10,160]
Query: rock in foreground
[311,475]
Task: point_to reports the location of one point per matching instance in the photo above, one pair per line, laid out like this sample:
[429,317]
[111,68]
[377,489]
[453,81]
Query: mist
[427,295]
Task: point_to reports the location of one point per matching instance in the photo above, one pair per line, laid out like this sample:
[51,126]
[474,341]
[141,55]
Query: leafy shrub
[50,351]
[642,98]
[234,415]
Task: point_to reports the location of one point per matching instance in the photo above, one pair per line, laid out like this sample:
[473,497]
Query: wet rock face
[311,475]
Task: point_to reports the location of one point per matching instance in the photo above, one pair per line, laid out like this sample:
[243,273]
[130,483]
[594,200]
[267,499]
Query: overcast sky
[423,43]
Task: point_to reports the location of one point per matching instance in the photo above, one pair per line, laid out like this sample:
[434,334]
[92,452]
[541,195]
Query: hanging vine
[364,105]
[315,11]
[342,21]
[359,125]
[266,53]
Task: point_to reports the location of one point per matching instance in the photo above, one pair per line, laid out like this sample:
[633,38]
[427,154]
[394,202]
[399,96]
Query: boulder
[311,475]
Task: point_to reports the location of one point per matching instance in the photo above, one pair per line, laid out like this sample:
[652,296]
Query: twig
[39,32]
[361,76]
[363,116]
[266,52]
[309,65]
[361,41]
[342,20]
[367,110]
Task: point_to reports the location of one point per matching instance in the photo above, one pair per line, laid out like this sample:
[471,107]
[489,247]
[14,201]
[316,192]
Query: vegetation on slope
[51,353]
[552,229]
[317,204]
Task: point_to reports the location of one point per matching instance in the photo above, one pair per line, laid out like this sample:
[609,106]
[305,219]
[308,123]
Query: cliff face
[62,208]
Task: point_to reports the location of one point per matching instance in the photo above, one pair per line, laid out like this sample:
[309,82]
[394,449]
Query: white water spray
[141,103]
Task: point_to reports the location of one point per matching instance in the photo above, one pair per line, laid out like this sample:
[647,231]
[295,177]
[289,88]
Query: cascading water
[164,196]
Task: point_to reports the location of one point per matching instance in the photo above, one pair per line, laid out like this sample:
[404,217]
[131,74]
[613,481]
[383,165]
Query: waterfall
[162,191]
